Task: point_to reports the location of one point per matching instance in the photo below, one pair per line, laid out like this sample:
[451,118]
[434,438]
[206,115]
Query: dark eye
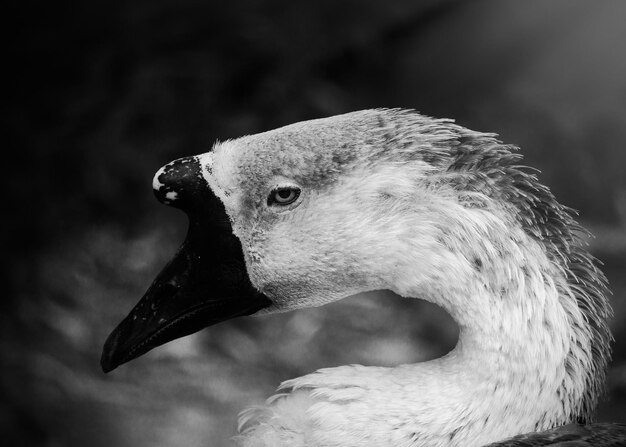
[283,196]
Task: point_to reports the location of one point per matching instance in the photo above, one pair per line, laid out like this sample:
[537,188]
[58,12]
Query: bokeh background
[102,93]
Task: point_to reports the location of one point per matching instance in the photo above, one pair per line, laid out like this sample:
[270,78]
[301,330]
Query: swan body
[391,199]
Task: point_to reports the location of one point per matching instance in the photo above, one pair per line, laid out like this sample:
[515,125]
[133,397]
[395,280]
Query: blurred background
[103,93]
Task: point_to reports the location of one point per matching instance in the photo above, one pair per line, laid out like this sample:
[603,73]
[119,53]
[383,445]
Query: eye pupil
[283,196]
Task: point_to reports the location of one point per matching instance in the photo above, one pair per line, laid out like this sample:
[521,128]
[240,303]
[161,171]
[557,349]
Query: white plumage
[391,199]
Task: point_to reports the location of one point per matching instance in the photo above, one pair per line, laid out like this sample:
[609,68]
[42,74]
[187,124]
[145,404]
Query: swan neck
[523,349]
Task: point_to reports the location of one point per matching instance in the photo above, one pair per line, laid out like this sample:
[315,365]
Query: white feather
[425,208]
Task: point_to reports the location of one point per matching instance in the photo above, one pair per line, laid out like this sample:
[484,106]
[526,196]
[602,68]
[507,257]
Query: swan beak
[204,284]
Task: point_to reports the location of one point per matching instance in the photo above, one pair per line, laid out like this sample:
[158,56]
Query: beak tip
[108,361]
[107,367]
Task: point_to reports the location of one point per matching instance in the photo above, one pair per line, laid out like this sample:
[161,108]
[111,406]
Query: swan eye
[283,196]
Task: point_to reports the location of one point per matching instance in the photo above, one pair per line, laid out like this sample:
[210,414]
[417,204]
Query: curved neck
[523,349]
[524,355]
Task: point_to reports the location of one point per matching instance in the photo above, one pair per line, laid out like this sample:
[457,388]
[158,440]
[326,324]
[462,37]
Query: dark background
[102,93]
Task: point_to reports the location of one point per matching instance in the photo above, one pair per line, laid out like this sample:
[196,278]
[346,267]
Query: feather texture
[424,207]
[573,435]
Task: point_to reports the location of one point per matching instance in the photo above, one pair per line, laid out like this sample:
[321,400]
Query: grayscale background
[102,93]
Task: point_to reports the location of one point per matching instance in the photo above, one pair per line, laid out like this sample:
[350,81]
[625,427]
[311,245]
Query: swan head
[313,212]
[317,206]
[295,217]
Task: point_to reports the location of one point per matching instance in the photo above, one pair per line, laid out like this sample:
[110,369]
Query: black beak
[204,284]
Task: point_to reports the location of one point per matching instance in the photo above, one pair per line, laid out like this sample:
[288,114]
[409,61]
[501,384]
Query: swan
[316,211]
